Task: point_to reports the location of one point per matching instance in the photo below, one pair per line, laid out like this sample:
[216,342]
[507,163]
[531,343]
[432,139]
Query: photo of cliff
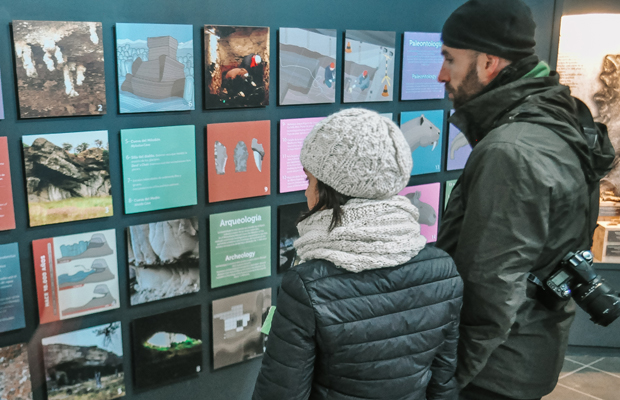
[236,66]
[67,177]
[307,66]
[15,375]
[166,347]
[59,68]
[237,322]
[288,216]
[86,364]
[163,260]
[155,66]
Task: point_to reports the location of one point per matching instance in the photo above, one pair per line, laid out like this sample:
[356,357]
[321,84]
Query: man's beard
[469,88]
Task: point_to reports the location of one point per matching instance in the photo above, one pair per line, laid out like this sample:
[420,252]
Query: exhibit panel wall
[134,261]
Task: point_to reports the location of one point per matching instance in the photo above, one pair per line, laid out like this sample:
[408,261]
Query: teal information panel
[159,168]
[240,246]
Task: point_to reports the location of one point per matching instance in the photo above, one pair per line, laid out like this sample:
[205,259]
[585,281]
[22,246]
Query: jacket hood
[542,101]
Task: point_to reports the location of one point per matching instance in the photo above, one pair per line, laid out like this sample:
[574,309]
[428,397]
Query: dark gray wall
[235,382]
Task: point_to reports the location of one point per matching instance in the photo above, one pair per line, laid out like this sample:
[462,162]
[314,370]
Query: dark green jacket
[520,205]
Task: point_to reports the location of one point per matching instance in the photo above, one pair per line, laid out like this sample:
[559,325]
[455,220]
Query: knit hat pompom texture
[358,153]
[503,28]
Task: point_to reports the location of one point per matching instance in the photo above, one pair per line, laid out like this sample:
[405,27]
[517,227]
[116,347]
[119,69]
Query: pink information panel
[426,199]
[292,135]
[7,217]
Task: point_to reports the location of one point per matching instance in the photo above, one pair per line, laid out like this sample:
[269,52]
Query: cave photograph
[236,66]
[59,68]
[67,177]
[166,347]
[86,364]
[163,259]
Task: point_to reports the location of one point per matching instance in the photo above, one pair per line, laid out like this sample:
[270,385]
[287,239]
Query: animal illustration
[427,212]
[459,141]
[420,132]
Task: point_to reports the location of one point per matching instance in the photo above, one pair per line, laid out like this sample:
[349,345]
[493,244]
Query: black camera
[577,278]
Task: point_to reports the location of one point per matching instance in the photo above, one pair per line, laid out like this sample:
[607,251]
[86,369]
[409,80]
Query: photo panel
[236,66]
[248,146]
[166,347]
[163,260]
[59,68]
[155,67]
[85,364]
[67,176]
[237,323]
[422,62]
[459,148]
[15,380]
[426,199]
[12,315]
[293,132]
[7,209]
[288,215]
[76,275]
[589,63]
[423,131]
[240,246]
[369,66]
[307,66]
[159,168]
[1,102]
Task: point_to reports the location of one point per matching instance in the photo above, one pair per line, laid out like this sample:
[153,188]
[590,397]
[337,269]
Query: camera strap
[534,279]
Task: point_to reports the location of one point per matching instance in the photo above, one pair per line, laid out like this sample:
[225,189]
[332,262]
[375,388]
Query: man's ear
[489,66]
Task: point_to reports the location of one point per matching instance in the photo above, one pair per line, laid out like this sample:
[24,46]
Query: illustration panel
[249,173]
[369,66]
[159,168]
[163,259]
[237,322]
[67,177]
[422,62]
[448,191]
[293,132]
[59,68]
[240,244]
[307,66]
[85,364]
[236,66]
[155,67]
[7,211]
[288,216]
[15,381]
[166,347]
[11,296]
[426,199]
[459,148]
[589,63]
[76,275]
[423,131]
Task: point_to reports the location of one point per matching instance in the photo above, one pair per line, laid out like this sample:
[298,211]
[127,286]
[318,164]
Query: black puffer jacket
[388,333]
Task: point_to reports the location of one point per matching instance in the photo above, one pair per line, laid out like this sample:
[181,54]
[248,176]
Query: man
[524,200]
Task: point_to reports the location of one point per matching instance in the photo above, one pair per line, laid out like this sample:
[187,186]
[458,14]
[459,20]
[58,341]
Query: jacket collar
[509,89]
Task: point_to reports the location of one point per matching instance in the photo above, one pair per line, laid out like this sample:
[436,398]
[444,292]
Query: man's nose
[443,76]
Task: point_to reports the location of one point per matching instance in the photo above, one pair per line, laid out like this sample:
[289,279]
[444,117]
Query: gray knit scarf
[373,234]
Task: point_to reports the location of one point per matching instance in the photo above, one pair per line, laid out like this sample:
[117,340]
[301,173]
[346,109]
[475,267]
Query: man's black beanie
[503,28]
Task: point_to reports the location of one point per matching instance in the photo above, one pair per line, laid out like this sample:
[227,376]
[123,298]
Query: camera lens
[597,299]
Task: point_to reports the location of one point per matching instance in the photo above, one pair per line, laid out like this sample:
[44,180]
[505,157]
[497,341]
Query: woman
[370,313]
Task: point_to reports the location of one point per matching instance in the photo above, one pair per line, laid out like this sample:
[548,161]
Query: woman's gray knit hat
[358,153]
